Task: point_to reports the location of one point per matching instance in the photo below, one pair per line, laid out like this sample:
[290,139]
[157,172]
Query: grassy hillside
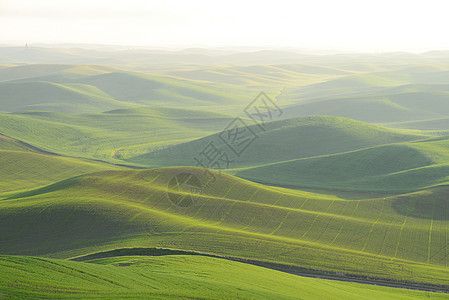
[261,75]
[283,140]
[43,72]
[433,125]
[92,88]
[173,277]
[25,170]
[49,96]
[146,89]
[8,143]
[118,133]
[389,168]
[398,93]
[368,201]
[398,237]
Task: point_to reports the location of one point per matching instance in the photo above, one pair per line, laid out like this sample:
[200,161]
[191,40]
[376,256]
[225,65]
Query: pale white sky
[381,25]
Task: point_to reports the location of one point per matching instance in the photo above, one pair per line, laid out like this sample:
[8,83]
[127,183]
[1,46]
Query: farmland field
[345,175]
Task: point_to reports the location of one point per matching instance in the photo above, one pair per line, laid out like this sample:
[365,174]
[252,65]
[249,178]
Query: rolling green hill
[360,84]
[25,170]
[432,125]
[397,237]
[380,108]
[118,133]
[282,140]
[261,75]
[341,197]
[7,143]
[49,96]
[92,88]
[146,89]
[173,277]
[388,168]
[43,72]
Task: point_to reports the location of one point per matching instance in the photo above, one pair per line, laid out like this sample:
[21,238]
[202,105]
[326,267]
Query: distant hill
[378,109]
[104,135]
[10,144]
[17,96]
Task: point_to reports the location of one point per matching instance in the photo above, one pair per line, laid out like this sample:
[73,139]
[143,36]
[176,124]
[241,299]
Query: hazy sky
[343,25]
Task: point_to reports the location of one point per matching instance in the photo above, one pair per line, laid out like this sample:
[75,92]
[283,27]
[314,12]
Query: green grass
[395,237]
[167,277]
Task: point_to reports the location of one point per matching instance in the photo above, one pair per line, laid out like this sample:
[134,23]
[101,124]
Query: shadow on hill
[138,252]
[428,204]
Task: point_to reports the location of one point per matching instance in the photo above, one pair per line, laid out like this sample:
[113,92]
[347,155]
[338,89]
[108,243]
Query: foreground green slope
[388,168]
[396,237]
[180,277]
[281,140]
[102,136]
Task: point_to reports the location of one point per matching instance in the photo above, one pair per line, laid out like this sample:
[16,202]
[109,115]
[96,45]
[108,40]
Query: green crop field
[346,177]
[230,216]
[173,277]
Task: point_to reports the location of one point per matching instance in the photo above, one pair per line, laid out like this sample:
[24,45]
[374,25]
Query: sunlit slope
[397,168]
[159,91]
[69,98]
[92,88]
[173,277]
[25,170]
[279,141]
[261,75]
[8,143]
[433,126]
[349,85]
[409,106]
[111,134]
[225,215]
